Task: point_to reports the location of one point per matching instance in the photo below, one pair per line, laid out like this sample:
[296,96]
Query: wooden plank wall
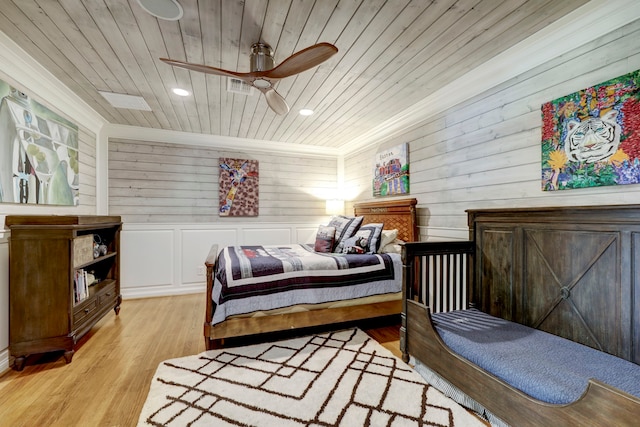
[176,183]
[87,159]
[486,152]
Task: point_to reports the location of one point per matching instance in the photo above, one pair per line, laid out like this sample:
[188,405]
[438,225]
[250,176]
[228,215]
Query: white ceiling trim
[595,19]
[29,76]
[215,141]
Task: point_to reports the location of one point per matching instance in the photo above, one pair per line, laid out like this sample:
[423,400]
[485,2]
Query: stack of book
[81,285]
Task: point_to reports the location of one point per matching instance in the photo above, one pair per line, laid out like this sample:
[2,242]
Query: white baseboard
[4,361]
[161,291]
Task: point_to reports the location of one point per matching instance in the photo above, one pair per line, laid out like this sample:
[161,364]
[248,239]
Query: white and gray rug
[341,378]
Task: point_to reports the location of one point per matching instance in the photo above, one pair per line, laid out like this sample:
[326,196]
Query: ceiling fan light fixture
[169,10]
[262,83]
[306,112]
[180,92]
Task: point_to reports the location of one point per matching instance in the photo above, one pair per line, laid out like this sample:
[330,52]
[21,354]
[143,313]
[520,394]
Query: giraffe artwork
[238,187]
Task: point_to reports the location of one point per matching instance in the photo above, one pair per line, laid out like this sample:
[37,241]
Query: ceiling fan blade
[205,68]
[275,101]
[302,61]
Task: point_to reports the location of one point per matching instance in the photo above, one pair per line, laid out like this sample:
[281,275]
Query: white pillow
[387,237]
[393,247]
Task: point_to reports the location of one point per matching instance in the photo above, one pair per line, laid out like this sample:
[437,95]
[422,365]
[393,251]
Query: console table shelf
[48,309]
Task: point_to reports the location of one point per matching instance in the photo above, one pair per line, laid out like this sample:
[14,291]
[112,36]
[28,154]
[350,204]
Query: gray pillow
[370,233]
[346,226]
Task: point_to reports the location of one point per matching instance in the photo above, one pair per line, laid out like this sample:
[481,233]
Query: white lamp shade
[335,207]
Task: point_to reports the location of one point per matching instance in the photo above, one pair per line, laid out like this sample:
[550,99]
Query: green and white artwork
[38,152]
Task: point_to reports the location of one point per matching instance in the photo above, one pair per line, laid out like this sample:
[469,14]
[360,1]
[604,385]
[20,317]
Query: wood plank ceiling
[391,55]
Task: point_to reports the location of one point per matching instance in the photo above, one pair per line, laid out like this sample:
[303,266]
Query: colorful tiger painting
[594,139]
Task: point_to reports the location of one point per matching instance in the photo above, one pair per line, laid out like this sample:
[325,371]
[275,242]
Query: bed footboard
[210,264]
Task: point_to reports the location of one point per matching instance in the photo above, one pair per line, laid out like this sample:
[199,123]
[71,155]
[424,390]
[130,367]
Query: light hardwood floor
[107,382]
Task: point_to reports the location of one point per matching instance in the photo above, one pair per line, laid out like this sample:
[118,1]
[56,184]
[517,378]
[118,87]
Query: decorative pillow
[346,226]
[370,237]
[353,245]
[325,239]
[392,248]
[387,237]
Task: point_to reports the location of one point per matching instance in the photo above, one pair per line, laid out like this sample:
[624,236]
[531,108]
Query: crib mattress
[544,366]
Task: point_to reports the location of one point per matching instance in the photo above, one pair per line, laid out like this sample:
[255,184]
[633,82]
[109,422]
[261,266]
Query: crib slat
[443,282]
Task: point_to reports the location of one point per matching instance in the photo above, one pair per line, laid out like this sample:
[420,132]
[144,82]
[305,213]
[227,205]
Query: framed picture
[591,137]
[391,171]
[38,152]
[238,187]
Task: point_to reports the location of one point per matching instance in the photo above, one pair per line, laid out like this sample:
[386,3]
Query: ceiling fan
[263,74]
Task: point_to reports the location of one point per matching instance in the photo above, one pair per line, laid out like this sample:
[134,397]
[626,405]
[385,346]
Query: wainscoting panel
[306,235]
[265,236]
[168,259]
[147,261]
[195,248]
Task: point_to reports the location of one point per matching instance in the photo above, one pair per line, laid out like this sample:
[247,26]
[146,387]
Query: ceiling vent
[239,86]
[130,102]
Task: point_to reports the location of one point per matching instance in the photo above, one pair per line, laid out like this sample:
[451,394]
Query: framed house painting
[391,171]
[591,137]
[38,152]
[238,187]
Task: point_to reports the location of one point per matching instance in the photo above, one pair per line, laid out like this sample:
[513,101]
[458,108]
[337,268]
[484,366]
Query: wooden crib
[570,271]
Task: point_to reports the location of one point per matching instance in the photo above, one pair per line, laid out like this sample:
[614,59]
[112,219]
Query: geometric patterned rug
[342,378]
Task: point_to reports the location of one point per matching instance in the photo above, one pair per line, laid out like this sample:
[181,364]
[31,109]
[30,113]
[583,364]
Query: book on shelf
[81,285]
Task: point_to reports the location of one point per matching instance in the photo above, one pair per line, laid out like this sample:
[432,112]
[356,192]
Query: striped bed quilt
[253,278]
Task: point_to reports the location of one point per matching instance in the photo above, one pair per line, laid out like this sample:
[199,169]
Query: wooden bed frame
[543,267]
[395,214]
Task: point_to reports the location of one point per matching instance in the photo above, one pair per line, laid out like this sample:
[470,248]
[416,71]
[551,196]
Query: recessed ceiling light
[169,10]
[306,112]
[181,92]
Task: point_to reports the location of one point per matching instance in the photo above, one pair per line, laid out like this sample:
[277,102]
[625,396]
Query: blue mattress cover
[544,366]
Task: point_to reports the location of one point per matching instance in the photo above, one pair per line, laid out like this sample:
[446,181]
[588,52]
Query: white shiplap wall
[161,182]
[486,152]
[167,195]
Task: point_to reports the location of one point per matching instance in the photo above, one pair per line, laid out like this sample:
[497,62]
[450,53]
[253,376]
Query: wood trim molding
[214,141]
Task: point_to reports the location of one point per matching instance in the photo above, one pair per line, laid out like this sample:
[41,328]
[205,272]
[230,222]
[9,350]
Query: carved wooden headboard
[570,271]
[394,213]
